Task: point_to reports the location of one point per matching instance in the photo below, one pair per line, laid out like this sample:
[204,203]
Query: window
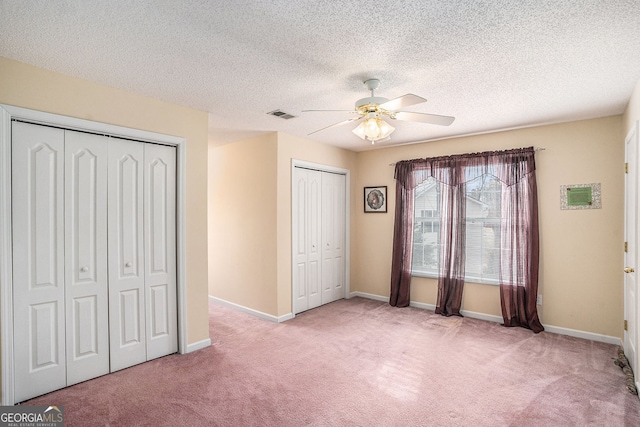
[426,228]
[482,225]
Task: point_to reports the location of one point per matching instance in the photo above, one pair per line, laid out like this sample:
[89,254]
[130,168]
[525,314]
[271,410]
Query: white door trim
[631,306]
[7,113]
[347,215]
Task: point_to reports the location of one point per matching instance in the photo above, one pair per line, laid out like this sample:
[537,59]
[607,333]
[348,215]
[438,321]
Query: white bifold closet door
[333,237]
[142,255]
[307,233]
[38,260]
[94,256]
[59,258]
[160,250]
[126,254]
[318,207]
[85,255]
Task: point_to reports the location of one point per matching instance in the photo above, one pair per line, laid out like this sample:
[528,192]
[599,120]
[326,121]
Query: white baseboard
[247,310]
[198,345]
[422,305]
[583,334]
[284,318]
[465,313]
[369,296]
[498,319]
[482,316]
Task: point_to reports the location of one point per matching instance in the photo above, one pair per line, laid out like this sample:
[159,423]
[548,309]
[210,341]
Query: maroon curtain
[452,248]
[520,246]
[519,228]
[402,236]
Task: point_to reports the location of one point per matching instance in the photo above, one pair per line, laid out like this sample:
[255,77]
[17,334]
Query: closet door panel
[299,219]
[339,237]
[87,317]
[314,238]
[328,219]
[333,236]
[160,250]
[38,259]
[306,200]
[126,254]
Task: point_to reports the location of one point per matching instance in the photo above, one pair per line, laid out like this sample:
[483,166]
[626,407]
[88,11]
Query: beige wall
[580,277]
[250,193]
[38,89]
[581,251]
[243,239]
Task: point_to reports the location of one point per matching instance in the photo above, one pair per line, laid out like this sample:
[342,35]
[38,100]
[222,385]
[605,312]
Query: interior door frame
[347,226]
[632,165]
[9,113]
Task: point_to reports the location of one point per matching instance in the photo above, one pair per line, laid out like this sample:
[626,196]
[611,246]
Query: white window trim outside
[467,279]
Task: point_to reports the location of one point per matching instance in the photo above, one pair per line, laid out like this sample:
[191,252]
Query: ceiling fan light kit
[370,111]
[373,129]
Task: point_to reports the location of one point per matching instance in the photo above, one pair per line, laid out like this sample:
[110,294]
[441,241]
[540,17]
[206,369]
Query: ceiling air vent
[281,114]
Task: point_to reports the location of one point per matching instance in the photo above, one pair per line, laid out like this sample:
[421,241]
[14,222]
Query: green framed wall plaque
[580,196]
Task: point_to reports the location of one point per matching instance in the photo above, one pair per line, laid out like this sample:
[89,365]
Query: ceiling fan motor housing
[371,100]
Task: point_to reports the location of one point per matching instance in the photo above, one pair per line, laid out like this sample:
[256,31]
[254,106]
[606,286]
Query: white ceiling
[494,64]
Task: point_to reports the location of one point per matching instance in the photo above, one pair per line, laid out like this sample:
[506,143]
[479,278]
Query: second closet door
[318,231]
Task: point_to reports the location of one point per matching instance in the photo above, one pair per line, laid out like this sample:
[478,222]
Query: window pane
[483,207]
[483,229]
[426,229]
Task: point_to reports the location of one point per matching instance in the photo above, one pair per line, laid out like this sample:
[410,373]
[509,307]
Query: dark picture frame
[375,199]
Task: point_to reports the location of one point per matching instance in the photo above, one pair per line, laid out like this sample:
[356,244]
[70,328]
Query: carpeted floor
[363,363]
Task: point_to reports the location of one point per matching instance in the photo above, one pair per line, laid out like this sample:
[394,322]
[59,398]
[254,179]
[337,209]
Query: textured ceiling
[494,64]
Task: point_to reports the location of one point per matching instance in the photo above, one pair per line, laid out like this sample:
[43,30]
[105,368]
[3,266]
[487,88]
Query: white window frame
[468,277]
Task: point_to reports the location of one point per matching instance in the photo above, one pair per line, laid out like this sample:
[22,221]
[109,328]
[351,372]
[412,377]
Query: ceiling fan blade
[433,119]
[402,102]
[344,122]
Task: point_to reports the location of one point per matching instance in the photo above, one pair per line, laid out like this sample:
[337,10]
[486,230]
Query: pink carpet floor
[363,363]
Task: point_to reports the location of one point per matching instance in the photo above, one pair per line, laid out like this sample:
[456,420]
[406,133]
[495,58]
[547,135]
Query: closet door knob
[128,264]
[83,269]
[629,270]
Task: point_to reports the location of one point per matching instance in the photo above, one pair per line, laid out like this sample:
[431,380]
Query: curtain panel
[519,229]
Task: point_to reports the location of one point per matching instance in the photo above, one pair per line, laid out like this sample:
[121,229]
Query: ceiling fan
[373,109]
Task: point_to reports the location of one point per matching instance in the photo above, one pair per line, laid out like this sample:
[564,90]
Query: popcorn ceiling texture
[492,64]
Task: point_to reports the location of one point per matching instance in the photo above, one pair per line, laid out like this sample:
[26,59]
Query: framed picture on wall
[375,199]
[580,196]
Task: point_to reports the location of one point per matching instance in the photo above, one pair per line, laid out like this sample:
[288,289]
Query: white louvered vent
[281,114]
